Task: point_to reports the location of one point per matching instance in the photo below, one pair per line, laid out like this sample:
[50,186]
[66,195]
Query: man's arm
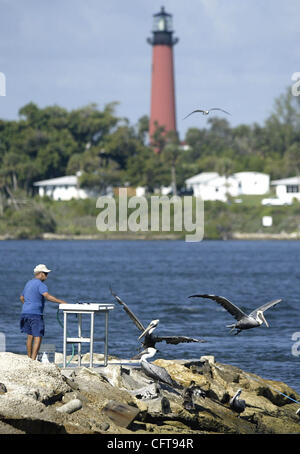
[53,299]
[22,299]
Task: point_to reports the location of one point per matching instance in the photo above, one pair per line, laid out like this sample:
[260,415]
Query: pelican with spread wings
[206,112]
[244,321]
[150,340]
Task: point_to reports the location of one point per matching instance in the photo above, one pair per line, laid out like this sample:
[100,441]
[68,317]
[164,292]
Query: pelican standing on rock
[155,372]
[149,339]
[236,404]
[244,321]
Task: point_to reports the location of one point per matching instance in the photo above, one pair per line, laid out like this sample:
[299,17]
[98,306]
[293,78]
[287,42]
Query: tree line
[52,141]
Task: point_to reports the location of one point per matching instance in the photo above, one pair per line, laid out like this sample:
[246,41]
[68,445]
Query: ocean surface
[155,279]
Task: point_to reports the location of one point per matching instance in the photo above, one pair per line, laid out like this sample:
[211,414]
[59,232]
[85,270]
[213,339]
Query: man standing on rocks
[33,299]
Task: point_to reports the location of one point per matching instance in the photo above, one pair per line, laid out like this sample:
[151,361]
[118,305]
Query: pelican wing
[235,311]
[158,373]
[133,317]
[177,339]
[194,111]
[217,108]
[264,307]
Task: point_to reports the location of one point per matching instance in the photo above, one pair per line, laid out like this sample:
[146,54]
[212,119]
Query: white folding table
[85,308]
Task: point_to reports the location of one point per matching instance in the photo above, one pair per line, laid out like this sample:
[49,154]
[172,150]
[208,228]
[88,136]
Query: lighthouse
[163,108]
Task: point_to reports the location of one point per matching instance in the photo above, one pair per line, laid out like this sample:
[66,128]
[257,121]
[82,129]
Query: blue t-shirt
[33,297]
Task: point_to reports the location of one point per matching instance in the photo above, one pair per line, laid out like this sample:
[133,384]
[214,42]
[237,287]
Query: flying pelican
[206,112]
[149,339]
[236,404]
[244,321]
[156,372]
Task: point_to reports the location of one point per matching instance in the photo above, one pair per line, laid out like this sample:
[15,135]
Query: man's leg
[36,346]
[29,345]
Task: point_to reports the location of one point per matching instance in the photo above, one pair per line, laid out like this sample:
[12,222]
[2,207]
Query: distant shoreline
[154,237]
[266,236]
[116,236]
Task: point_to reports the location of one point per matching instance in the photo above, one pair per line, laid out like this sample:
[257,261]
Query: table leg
[92,339]
[65,338]
[79,335]
[106,339]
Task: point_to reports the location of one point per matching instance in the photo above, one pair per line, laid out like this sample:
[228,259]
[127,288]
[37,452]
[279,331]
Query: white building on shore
[62,188]
[212,186]
[287,189]
[253,183]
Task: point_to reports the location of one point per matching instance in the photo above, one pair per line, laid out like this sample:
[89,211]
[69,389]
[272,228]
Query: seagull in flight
[206,112]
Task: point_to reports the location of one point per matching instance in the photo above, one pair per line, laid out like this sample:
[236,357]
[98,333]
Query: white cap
[41,269]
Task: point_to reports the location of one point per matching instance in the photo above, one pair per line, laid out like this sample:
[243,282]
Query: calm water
[154,279]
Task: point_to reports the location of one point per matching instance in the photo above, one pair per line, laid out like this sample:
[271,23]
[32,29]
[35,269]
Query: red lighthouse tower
[163,109]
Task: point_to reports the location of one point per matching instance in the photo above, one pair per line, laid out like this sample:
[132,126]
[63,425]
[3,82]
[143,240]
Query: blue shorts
[32,324]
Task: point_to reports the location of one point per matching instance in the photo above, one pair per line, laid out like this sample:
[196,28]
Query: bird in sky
[244,321]
[206,112]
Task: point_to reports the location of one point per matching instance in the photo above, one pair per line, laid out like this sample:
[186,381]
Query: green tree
[142,129]
[88,125]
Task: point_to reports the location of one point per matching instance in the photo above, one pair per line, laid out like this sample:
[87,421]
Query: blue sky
[235,54]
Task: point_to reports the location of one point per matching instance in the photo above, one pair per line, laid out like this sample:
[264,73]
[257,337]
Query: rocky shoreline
[43,398]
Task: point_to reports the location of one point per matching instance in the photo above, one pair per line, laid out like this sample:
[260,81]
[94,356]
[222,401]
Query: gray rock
[71,406]
[147,392]
[73,385]
[33,388]
[68,373]
[129,382]
[112,373]
[159,406]
[31,378]
[34,394]
[209,358]
[121,414]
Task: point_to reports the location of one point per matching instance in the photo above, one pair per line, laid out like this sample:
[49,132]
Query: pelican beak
[152,325]
[262,316]
[139,355]
[145,332]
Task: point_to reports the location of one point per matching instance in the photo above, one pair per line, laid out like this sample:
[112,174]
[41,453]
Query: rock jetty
[42,398]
